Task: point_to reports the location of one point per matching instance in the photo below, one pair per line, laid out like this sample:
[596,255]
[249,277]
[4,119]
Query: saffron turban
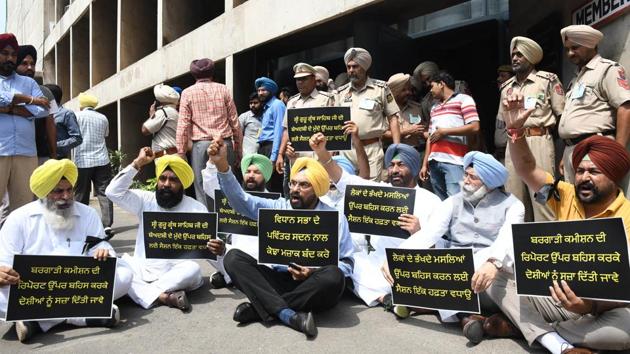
[607,154]
[46,177]
[202,68]
[261,161]
[491,172]
[181,168]
[8,39]
[530,49]
[359,56]
[25,50]
[87,100]
[397,82]
[345,164]
[405,153]
[321,73]
[165,94]
[267,83]
[314,172]
[584,35]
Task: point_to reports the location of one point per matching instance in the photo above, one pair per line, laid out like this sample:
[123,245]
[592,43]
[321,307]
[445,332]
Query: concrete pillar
[138,30]
[103,40]
[50,16]
[49,68]
[229,73]
[80,75]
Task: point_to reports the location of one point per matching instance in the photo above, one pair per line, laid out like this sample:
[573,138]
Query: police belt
[577,139]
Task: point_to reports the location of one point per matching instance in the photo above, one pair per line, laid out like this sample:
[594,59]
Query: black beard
[595,197]
[301,203]
[8,67]
[257,188]
[167,199]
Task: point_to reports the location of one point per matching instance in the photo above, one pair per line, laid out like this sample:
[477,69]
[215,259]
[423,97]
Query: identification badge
[367,103]
[530,102]
[578,92]
[414,119]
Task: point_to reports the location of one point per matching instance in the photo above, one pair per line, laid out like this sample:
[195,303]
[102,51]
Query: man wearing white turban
[544,92]
[372,108]
[162,122]
[597,99]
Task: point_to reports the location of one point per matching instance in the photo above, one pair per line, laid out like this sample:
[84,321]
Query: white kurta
[369,283]
[26,232]
[152,276]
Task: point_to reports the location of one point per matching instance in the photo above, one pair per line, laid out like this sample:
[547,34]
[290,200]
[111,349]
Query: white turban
[165,94]
[321,73]
[583,35]
[360,56]
[530,49]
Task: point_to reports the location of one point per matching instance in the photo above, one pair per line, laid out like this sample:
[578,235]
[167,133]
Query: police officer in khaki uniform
[543,91]
[307,97]
[372,108]
[598,98]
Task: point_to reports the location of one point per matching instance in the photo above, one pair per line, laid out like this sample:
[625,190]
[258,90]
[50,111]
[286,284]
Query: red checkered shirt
[206,111]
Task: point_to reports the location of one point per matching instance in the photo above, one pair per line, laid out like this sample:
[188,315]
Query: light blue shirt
[17,134]
[248,205]
[272,116]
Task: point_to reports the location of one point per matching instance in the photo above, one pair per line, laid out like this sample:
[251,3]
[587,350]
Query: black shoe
[109,233]
[25,330]
[388,305]
[246,313]
[473,330]
[105,322]
[217,280]
[304,322]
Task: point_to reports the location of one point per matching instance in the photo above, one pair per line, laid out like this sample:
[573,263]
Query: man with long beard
[54,225]
[158,281]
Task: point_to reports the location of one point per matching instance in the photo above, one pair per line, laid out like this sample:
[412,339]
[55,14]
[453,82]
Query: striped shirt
[206,110]
[457,111]
[94,129]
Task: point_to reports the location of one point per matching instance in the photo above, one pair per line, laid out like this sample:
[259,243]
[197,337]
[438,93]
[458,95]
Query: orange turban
[607,154]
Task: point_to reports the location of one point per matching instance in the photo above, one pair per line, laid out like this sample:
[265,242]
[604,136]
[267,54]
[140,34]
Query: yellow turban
[314,172]
[181,168]
[583,35]
[87,100]
[46,177]
[530,49]
[397,82]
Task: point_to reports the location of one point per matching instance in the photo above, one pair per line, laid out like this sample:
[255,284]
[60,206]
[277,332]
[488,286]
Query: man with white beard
[54,225]
[480,217]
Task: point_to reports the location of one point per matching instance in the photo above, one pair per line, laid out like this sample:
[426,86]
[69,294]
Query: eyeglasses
[300,185]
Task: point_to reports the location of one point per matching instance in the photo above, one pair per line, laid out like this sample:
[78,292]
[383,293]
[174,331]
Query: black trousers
[270,291]
[275,182]
[100,176]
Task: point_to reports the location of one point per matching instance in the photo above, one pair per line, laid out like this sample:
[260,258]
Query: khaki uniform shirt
[542,88]
[409,115]
[594,95]
[370,106]
[315,99]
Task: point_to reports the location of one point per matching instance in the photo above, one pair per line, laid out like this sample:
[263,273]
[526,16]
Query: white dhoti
[154,277]
[245,243]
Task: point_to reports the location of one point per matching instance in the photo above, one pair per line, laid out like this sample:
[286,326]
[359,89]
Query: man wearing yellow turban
[55,224]
[544,92]
[312,289]
[158,281]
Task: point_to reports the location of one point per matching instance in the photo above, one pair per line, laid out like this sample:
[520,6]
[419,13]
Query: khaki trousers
[375,156]
[542,148]
[15,174]
[535,316]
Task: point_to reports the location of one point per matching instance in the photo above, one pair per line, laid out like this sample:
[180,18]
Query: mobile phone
[294,266]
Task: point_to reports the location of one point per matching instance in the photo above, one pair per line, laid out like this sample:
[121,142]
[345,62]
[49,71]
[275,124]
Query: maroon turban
[607,154]
[8,39]
[202,68]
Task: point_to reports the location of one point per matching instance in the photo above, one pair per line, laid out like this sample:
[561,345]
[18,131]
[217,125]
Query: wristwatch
[495,262]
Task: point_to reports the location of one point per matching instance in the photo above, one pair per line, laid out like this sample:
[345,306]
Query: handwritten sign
[436,279]
[58,287]
[175,235]
[375,210]
[306,237]
[304,122]
[590,255]
[230,221]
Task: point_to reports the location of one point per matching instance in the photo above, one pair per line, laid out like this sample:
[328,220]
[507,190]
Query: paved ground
[350,327]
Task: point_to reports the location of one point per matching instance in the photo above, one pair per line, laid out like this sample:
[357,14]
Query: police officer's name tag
[578,92]
[367,103]
[530,102]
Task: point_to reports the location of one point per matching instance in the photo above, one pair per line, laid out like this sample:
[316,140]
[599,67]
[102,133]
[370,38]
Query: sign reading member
[306,237]
[436,279]
[58,287]
[590,255]
[230,222]
[176,235]
[304,122]
[375,210]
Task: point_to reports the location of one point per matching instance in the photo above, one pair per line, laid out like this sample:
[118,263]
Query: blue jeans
[445,178]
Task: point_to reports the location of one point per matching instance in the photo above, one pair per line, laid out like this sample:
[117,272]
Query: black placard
[436,279]
[230,222]
[302,123]
[306,237]
[58,287]
[374,210]
[590,255]
[176,235]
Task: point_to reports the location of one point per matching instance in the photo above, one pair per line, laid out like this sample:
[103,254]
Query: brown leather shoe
[464,320]
[577,350]
[499,326]
[179,300]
